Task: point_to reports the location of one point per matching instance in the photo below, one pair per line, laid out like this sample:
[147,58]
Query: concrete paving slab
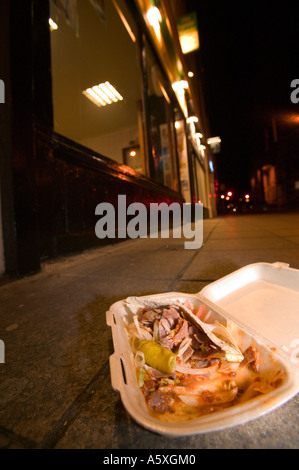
[207,266]
[247,244]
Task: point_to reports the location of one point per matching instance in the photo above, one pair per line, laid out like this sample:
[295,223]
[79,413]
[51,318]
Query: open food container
[260,304]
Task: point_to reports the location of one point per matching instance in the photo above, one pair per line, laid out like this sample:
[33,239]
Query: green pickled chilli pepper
[157,356]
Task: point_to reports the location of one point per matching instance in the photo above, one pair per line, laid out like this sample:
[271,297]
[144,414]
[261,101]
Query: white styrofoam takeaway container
[262,299]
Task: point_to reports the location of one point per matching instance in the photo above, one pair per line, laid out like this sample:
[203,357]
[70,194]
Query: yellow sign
[188,32]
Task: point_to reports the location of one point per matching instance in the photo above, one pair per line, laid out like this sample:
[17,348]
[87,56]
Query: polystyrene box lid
[264,298]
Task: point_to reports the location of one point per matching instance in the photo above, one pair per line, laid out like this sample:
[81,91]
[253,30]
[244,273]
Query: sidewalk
[55,387]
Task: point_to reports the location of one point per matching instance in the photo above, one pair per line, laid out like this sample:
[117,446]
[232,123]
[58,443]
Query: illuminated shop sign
[188,33]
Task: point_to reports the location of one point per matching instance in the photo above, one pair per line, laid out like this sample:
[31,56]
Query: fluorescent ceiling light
[102,94]
[53,25]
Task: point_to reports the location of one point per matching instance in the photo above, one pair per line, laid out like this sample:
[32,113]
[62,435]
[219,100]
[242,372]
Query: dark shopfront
[62,153]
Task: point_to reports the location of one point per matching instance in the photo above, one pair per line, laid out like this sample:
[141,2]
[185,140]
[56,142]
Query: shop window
[132,157]
[183,158]
[95,76]
[161,123]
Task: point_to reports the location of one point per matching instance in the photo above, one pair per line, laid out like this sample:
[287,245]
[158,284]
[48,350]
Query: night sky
[249,54]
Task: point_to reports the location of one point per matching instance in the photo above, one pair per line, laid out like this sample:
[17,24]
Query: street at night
[149,228]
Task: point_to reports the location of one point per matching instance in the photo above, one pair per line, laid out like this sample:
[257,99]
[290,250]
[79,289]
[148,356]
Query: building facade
[275,169]
[99,100]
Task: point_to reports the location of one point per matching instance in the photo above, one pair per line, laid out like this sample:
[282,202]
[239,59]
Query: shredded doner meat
[187,368]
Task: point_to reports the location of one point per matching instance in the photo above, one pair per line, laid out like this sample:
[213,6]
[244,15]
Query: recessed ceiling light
[103,94]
